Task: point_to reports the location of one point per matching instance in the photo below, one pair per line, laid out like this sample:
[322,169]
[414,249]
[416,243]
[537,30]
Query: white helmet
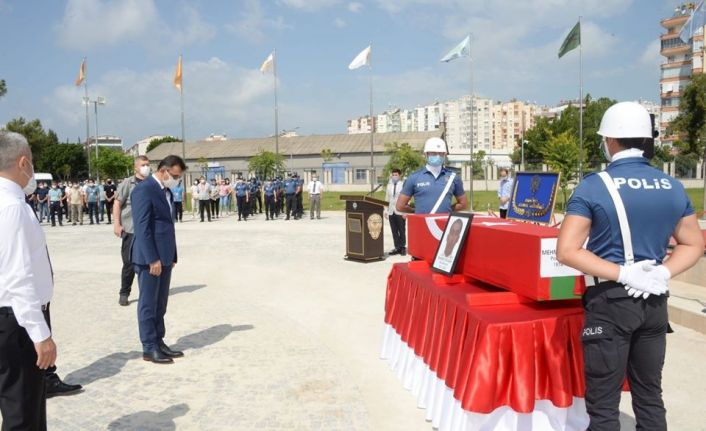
[626,120]
[435,145]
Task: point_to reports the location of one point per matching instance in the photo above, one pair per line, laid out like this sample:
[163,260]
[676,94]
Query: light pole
[522,162]
[98,101]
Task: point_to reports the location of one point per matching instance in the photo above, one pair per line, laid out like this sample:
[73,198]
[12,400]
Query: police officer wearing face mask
[270,200]
[433,186]
[628,213]
[242,197]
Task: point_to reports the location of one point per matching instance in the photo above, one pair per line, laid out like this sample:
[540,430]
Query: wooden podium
[364,228]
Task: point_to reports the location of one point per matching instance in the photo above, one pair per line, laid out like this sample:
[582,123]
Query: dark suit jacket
[153,221]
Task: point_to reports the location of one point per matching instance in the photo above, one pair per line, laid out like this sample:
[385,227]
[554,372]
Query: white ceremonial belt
[592,281]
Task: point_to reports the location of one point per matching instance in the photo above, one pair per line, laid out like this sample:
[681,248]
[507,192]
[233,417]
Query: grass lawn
[482,200]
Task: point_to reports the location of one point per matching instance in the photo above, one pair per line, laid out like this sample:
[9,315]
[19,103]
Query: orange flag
[177,75]
[81,73]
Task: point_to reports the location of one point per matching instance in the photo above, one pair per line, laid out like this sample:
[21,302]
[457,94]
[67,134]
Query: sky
[132,47]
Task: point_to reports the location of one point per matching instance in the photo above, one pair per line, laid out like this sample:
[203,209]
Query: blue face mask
[395,180]
[435,160]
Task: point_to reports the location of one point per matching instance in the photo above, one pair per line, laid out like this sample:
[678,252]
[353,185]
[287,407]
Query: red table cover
[493,355]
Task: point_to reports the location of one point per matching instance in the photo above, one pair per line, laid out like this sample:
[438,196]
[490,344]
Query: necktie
[314,187]
[394,189]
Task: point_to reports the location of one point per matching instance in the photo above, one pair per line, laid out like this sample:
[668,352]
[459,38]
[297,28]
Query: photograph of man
[154,255]
[449,247]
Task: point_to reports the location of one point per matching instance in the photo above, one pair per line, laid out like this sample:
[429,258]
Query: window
[361,174]
[672,43]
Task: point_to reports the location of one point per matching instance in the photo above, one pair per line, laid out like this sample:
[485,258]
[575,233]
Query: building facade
[682,61]
[106,141]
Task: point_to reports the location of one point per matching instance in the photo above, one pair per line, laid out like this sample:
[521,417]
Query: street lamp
[98,101]
[522,163]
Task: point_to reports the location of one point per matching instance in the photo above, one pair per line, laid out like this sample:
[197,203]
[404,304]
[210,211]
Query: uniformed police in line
[290,192]
[253,198]
[279,193]
[299,196]
[433,186]
[242,192]
[628,213]
[270,199]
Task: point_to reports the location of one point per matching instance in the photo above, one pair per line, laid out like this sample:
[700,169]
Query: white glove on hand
[644,278]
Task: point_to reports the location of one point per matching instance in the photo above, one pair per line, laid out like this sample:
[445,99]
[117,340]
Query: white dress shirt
[315,187]
[166,192]
[26,282]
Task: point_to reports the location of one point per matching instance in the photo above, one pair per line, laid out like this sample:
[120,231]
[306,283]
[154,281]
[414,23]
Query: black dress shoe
[55,387]
[123,300]
[393,252]
[403,252]
[157,357]
[169,352]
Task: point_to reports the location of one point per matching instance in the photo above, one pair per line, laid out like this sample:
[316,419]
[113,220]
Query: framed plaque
[452,242]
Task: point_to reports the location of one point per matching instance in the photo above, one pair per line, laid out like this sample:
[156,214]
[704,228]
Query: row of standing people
[68,200]
[274,197]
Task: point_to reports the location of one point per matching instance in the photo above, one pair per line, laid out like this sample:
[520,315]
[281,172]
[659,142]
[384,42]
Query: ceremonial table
[515,365]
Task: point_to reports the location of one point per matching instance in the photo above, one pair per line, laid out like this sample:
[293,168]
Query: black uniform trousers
[270,206]
[55,211]
[291,204]
[242,207]
[127,275]
[22,387]
[300,204]
[623,335]
[178,211]
[215,207]
[205,205]
[398,225]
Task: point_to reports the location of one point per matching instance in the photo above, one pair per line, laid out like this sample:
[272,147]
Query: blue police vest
[425,189]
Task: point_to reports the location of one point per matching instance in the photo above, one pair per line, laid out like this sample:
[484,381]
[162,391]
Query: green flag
[572,41]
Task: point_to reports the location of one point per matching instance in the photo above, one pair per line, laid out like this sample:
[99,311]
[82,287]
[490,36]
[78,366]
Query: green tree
[112,163]
[66,161]
[266,164]
[327,154]
[544,129]
[3,88]
[36,136]
[403,157]
[691,121]
[662,155]
[156,142]
[562,154]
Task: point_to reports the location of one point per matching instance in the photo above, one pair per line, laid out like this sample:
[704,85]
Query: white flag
[268,63]
[362,59]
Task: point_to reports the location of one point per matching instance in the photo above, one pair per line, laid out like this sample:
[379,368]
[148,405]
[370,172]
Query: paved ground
[280,333]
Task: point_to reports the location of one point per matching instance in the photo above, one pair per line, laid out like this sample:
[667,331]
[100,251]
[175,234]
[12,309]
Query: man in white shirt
[26,287]
[315,189]
[398,224]
[504,191]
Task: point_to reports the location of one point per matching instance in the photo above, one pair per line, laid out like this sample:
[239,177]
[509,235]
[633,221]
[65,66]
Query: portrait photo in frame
[452,242]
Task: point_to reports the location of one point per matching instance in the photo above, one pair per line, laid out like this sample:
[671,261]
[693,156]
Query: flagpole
[181,97]
[274,69]
[580,176]
[470,137]
[88,132]
[372,125]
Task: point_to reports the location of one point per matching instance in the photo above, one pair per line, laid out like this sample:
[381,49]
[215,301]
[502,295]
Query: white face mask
[170,182]
[145,171]
[31,184]
[604,145]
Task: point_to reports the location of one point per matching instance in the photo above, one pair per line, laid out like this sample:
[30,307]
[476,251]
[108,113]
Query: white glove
[644,278]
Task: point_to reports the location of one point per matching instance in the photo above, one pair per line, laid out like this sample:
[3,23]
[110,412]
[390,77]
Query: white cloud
[309,5]
[651,56]
[218,97]
[253,24]
[355,7]
[89,24]
[338,22]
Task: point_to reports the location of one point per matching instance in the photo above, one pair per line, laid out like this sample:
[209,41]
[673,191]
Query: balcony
[674,21]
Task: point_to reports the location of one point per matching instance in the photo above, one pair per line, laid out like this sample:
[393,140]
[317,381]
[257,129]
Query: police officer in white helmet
[433,186]
[628,213]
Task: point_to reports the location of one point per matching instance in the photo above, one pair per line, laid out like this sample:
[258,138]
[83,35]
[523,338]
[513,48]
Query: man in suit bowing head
[154,255]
